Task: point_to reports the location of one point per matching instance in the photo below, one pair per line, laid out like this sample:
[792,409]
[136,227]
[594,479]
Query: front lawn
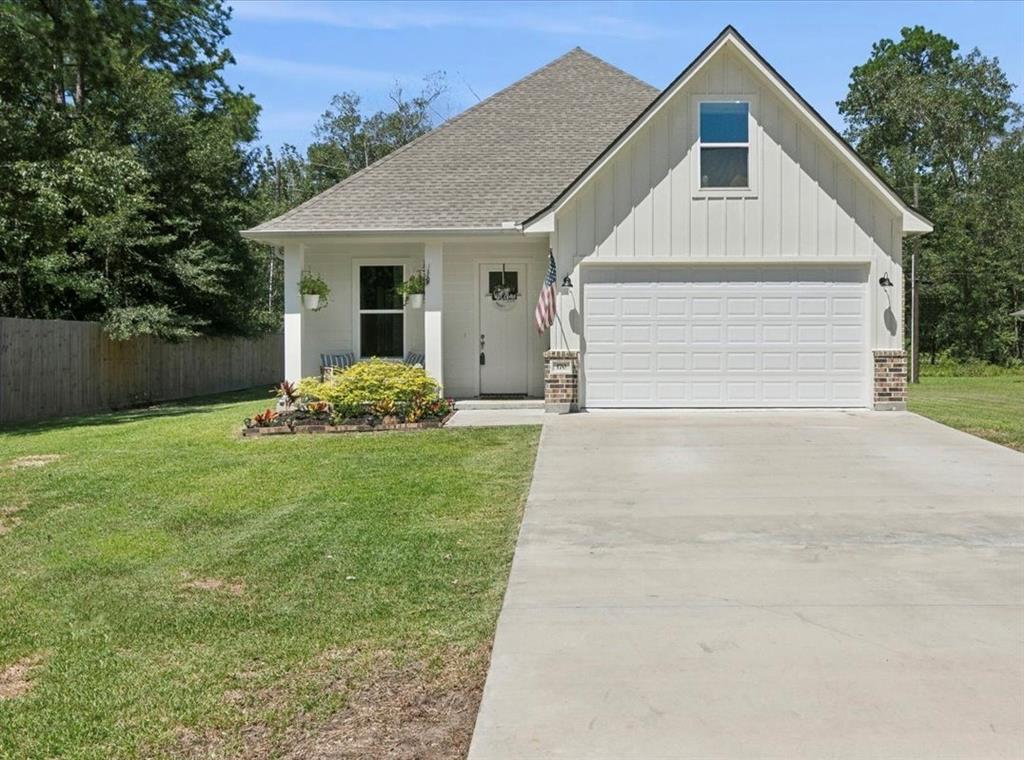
[990,407]
[169,589]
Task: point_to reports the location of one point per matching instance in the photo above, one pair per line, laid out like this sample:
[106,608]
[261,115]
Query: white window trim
[357,332]
[752,144]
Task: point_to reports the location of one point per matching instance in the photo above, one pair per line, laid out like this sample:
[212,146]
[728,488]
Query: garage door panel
[741,334]
[706,307]
[670,306]
[706,334]
[636,307]
[636,361]
[706,362]
[774,336]
[600,334]
[671,362]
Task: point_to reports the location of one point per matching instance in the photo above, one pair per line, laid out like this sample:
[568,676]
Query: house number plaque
[561,367]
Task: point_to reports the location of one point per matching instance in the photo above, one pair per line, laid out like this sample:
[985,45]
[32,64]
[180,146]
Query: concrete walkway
[762,585]
[498,417]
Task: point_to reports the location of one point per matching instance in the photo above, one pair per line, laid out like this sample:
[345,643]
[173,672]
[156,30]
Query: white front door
[726,336]
[504,320]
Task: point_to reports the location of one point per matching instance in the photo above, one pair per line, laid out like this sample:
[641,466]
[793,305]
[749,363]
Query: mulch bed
[365,426]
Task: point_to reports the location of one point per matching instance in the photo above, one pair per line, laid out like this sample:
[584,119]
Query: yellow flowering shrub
[374,386]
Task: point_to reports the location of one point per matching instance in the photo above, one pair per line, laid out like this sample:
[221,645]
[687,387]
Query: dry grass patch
[394,709]
[401,711]
[16,679]
[33,460]
[9,519]
[235,588]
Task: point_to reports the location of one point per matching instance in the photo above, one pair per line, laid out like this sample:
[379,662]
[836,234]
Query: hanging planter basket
[412,290]
[314,291]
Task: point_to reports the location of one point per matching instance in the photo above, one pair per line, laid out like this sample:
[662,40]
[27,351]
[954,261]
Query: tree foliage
[346,140]
[125,173]
[925,114]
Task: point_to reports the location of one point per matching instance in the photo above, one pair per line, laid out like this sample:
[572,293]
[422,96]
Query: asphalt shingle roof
[500,161]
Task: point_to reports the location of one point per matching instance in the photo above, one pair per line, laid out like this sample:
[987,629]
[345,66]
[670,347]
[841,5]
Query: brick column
[890,380]
[561,381]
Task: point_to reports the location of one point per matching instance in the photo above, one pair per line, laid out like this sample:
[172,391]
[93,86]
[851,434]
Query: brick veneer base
[890,378]
[561,389]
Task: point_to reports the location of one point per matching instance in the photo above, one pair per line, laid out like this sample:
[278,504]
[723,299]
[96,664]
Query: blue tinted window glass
[723,122]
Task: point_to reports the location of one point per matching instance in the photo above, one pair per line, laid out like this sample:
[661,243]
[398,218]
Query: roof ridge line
[625,73]
[324,194]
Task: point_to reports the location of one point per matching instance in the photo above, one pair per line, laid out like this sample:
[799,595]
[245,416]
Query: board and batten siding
[805,203]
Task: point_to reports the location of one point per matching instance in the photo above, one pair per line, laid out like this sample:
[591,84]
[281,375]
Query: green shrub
[375,386]
[948,366]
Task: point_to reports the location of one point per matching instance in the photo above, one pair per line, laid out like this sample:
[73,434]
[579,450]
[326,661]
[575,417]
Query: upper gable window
[724,144]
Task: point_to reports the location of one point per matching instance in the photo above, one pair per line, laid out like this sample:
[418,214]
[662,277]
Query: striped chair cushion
[413,358]
[339,361]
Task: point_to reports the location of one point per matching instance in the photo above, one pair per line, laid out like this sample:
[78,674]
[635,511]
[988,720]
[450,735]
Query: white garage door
[703,336]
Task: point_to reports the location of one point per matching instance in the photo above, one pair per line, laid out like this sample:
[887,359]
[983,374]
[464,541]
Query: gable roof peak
[913,221]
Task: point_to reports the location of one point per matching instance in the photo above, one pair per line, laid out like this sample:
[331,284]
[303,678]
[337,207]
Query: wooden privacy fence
[53,367]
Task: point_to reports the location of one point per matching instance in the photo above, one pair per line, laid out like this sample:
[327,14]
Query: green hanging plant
[313,287]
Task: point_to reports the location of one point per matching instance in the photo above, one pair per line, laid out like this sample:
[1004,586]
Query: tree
[345,140]
[922,113]
[125,171]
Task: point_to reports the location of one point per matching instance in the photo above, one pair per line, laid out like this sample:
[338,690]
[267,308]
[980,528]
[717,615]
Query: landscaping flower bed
[369,396]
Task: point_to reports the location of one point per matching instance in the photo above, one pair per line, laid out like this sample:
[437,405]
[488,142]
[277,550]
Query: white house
[717,244]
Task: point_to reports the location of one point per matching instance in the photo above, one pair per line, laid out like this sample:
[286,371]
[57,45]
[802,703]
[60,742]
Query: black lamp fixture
[567,282]
[884,281]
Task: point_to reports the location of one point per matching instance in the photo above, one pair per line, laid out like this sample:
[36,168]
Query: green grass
[396,543]
[990,407]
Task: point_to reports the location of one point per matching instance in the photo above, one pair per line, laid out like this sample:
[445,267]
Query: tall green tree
[346,139]
[125,168]
[925,114]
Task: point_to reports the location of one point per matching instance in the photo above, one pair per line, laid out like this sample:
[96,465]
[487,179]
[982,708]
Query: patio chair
[329,363]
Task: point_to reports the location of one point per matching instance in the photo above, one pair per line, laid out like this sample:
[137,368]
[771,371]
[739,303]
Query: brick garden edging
[561,381]
[258,432]
[890,380]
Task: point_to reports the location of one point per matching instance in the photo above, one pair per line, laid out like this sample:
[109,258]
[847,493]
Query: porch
[473,343]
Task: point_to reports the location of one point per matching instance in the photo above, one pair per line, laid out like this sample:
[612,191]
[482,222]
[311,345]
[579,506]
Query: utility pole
[915,301]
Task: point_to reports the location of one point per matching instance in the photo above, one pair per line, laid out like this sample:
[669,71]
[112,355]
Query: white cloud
[289,69]
[579,21]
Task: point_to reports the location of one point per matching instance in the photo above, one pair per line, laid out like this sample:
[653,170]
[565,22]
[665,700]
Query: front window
[381,316]
[724,145]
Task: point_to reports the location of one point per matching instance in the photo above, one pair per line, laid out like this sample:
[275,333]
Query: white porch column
[294,263]
[433,303]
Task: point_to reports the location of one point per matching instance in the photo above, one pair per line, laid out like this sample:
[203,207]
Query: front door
[504,321]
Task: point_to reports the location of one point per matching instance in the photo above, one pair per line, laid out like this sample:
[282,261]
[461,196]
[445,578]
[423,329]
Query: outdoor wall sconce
[567,282]
[884,281]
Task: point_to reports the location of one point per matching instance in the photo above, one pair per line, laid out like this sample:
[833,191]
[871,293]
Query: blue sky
[294,55]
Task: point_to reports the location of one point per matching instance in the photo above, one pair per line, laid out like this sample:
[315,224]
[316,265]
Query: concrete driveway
[752,585]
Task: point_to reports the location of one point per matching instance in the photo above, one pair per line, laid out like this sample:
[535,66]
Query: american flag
[544,316]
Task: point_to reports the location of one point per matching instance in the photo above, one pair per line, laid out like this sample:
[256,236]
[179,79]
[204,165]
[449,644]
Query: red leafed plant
[287,390]
[318,407]
[265,418]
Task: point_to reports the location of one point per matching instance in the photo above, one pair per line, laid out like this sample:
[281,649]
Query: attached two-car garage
[725,336]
